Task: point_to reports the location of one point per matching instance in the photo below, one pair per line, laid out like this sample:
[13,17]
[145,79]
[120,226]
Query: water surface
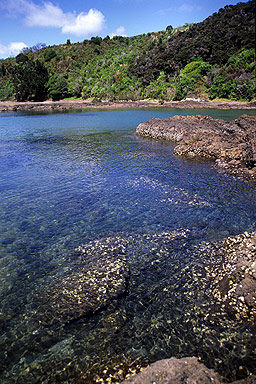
[67,179]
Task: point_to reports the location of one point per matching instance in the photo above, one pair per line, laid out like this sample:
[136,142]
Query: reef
[231,144]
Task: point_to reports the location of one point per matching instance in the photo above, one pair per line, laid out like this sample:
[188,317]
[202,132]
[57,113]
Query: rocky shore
[232,145]
[66,105]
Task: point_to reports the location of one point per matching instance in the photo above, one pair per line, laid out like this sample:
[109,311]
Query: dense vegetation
[211,59]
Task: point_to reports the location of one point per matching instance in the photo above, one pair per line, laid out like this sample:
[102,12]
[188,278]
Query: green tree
[192,79]
[57,87]
[49,54]
[29,79]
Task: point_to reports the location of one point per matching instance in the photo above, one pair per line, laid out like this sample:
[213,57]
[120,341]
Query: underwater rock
[97,275]
[235,285]
[231,144]
[175,371]
[248,380]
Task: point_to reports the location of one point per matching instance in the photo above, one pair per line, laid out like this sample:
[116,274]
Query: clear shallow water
[66,179]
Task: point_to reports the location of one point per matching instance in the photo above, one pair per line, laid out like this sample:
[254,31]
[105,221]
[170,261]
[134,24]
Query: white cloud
[50,15]
[11,49]
[120,31]
[47,15]
[85,23]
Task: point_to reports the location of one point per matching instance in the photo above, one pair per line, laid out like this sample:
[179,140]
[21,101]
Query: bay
[68,179]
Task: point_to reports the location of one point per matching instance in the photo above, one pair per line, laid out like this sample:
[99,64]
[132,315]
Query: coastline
[66,105]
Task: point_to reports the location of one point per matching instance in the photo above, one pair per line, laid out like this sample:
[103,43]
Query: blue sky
[28,22]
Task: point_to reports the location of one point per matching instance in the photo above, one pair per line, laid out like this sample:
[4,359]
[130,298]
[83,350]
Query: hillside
[211,59]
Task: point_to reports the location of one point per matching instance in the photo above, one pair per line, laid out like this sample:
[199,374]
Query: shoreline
[66,105]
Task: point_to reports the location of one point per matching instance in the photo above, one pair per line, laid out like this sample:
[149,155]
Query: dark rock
[231,144]
[187,370]
[97,275]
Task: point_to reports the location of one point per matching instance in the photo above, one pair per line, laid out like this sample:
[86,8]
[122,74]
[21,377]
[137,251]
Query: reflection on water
[68,179]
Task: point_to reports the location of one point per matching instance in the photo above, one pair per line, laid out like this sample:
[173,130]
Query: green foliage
[29,78]
[57,87]
[96,40]
[49,54]
[215,39]
[214,58]
[236,80]
[157,89]
[192,79]
[6,90]
[245,61]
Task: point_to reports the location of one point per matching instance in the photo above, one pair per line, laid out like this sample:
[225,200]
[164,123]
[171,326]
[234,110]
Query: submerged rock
[235,285]
[176,371]
[187,370]
[96,276]
[231,144]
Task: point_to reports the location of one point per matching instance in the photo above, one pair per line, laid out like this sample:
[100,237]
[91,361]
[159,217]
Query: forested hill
[211,59]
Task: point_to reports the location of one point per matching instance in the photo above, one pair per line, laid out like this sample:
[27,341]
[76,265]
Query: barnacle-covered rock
[97,275]
[235,285]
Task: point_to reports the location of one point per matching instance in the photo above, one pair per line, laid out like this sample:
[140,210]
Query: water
[75,178]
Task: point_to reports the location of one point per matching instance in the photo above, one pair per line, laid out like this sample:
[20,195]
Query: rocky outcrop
[232,145]
[97,275]
[187,370]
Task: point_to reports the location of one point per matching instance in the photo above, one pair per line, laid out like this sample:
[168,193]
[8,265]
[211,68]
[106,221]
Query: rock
[187,370]
[235,285]
[248,380]
[231,144]
[96,276]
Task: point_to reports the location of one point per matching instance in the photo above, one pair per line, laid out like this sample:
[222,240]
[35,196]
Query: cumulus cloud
[50,15]
[120,31]
[85,23]
[11,49]
[47,15]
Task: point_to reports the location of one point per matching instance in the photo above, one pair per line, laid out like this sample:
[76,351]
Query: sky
[25,23]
